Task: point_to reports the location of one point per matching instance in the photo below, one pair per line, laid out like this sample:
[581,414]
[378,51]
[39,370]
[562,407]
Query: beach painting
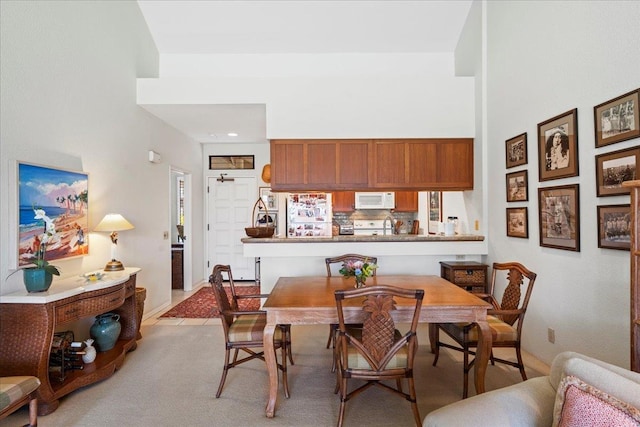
[64,196]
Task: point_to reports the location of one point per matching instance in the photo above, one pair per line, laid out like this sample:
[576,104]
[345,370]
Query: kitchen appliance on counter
[346,229]
[309,215]
[375,200]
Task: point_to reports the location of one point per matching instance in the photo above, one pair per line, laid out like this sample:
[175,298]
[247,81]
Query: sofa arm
[529,403]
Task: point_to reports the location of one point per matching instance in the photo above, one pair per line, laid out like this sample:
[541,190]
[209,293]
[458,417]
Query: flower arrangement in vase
[358,269]
[39,277]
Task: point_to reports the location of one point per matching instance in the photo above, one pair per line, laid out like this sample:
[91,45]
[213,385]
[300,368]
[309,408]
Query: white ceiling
[289,26]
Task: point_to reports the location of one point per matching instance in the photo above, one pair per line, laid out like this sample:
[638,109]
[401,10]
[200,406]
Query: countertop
[382,238]
[70,286]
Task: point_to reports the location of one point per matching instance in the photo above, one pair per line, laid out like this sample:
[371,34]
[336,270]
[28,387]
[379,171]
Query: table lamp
[113,222]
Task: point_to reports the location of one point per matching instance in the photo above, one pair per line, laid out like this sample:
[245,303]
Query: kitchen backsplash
[370,214]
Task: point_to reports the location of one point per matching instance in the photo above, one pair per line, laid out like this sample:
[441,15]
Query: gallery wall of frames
[615,120]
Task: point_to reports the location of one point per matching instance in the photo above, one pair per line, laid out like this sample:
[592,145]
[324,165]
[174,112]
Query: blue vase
[37,279]
[105,331]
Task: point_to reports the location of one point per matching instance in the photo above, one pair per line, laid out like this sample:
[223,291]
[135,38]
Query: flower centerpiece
[358,269]
[38,278]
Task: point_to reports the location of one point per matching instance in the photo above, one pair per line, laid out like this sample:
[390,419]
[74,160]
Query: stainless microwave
[375,200]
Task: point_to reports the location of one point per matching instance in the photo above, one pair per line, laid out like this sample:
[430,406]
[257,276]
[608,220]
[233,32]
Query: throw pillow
[580,404]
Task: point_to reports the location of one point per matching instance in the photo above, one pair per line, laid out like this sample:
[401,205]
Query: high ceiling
[286,27]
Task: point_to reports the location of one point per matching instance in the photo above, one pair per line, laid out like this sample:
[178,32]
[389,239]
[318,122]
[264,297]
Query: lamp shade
[113,222]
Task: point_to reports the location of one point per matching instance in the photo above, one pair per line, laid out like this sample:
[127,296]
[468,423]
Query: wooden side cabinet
[28,322]
[469,275]
[634,187]
[177,266]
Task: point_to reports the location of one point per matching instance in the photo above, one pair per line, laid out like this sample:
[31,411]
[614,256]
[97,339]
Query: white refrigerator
[309,215]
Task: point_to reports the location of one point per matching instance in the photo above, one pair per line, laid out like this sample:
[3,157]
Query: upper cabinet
[362,164]
[319,164]
[423,164]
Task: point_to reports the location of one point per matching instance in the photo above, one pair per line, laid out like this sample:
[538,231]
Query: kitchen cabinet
[343,201]
[313,165]
[423,164]
[363,164]
[406,201]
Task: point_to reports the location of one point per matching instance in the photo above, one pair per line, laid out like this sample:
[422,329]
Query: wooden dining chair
[235,300]
[377,352]
[333,327]
[244,331]
[501,320]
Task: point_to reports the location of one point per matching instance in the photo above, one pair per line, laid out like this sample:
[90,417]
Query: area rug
[202,304]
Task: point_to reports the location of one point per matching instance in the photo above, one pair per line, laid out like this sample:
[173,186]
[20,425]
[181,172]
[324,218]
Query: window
[231,162]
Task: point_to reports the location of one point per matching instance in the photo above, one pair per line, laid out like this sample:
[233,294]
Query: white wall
[330,96]
[68,84]
[545,58]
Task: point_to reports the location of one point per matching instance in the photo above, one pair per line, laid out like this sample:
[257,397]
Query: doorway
[230,202]
[181,212]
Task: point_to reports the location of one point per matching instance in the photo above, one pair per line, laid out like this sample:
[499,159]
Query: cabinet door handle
[114,299]
[73,310]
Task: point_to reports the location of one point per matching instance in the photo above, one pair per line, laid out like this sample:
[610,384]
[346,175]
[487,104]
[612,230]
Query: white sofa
[539,402]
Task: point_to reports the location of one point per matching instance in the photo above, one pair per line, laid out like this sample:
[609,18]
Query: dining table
[310,300]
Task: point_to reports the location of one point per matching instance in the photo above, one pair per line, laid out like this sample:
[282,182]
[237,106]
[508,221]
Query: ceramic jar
[105,331]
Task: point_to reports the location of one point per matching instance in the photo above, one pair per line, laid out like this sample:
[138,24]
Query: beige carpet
[171,380]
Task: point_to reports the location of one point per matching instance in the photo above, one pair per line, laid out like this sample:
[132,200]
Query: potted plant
[38,277]
[358,269]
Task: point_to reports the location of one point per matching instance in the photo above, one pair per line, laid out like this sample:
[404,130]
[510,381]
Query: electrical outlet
[165,235]
[477,225]
[460,257]
[551,335]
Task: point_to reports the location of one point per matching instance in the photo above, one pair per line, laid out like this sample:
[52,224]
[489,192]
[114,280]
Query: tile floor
[177,296]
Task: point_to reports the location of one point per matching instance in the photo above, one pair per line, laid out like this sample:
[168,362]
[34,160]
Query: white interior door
[230,204]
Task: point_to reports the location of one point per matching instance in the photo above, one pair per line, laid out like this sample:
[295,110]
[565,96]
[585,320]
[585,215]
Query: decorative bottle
[89,352]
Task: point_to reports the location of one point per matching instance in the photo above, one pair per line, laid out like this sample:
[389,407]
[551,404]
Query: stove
[369,227]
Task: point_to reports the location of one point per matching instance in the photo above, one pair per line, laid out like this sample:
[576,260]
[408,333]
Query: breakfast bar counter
[397,253]
[369,239]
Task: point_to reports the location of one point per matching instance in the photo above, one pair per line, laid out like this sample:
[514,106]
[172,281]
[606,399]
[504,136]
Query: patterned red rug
[202,304]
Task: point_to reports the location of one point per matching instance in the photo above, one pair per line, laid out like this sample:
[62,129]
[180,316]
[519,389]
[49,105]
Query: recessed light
[232,134]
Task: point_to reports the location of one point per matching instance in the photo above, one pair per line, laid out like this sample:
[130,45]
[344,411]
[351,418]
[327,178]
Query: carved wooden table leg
[483,353]
[272,368]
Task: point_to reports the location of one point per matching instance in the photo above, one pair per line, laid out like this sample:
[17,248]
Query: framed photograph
[268,220]
[617,119]
[558,146]
[270,199]
[614,227]
[516,150]
[559,217]
[64,197]
[435,210]
[518,222]
[517,186]
[612,169]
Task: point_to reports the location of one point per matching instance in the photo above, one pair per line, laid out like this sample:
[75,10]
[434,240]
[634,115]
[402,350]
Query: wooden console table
[28,322]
